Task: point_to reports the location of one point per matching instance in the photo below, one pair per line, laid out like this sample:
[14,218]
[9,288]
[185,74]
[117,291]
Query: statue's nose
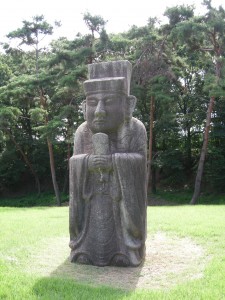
[100,109]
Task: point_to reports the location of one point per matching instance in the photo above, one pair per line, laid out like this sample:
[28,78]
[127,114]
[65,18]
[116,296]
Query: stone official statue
[108,173]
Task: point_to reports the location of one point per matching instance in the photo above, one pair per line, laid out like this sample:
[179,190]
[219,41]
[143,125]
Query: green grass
[45,199]
[184,197]
[24,231]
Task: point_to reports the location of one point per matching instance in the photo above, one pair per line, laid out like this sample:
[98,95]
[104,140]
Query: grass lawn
[33,242]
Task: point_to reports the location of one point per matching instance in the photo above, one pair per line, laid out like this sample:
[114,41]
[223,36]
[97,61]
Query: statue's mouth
[99,121]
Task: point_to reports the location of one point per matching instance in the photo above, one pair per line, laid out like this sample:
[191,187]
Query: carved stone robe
[108,208]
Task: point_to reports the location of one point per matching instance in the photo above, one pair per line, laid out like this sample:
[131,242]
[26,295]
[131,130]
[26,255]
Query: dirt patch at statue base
[169,261]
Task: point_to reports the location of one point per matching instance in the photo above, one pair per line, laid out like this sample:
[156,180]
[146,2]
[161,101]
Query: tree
[31,34]
[201,37]
[95,24]
[14,119]
[151,69]
[188,64]
[214,30]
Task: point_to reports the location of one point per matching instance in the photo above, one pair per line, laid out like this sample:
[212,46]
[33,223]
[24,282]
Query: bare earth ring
[169,261]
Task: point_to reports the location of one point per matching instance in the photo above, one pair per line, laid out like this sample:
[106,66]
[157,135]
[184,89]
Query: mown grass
[24,229]
[44,199]
[185,196]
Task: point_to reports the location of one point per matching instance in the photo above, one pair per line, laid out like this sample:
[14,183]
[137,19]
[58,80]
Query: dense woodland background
[178,79]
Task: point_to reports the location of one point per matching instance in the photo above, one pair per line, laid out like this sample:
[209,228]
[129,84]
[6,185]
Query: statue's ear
[131,103]
[84,108]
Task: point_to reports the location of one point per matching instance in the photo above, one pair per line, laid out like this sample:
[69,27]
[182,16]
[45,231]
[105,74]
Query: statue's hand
[103,162]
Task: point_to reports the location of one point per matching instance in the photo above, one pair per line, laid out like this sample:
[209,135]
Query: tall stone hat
[111,76]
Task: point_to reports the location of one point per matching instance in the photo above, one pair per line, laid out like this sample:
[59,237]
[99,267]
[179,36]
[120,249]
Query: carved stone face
[105,112]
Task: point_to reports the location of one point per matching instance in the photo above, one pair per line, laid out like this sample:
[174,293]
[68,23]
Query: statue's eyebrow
[92,98]
[105,97]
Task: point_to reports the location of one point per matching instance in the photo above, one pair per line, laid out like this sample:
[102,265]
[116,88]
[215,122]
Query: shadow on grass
[74,281]
[61,288]
[52,263]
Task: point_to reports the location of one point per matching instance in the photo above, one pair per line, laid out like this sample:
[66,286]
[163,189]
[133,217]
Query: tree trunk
[52,166]
[66,180]
[198,178]
[153,179]
[188,147]
[50,150]
[27,162]
[152,108]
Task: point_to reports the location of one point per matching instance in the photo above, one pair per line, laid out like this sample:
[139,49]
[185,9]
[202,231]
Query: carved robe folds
[108,207]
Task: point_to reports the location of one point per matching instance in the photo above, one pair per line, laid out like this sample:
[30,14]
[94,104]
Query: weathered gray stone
[108,173]
[111,70]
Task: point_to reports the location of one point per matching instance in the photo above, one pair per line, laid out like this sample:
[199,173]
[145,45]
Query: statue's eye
[92,102]
[108,101]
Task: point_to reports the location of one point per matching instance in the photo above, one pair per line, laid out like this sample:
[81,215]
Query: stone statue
[108,173]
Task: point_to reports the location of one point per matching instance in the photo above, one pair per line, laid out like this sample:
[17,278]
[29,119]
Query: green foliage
[38,115]
[215,169]
[94,23]
[11,168]
[179,65]
[213,86]
[30,32]
[5,72]
[171,164]
[183,196]
[45,199]
[9,117]
[179,14]
[52,130]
